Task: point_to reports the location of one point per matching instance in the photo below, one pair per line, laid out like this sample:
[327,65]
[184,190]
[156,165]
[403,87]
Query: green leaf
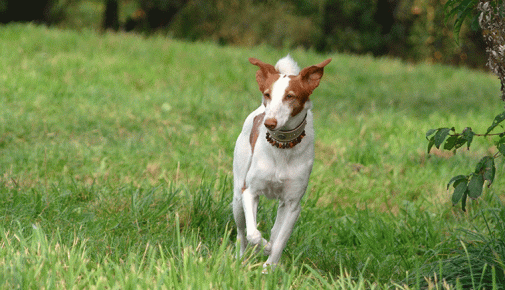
[447,6]
[456,180]
[460,8]
[463,201]
[440,136]
[450,142]
[481,166]
[430,144]
[475,23]
[490,171]
[497,120]
[451,8]
[460,141]
[460,19]
[468,136]
[459,191]
[501,149]
[475,186]
[430,132]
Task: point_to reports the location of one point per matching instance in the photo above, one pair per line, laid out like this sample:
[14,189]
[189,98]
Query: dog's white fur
[287,66]
[262,169]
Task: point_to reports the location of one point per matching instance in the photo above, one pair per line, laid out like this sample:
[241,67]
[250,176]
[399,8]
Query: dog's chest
[271,183]
[272,174]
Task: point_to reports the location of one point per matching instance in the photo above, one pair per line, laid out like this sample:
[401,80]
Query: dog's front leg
[288,213]
[250,204]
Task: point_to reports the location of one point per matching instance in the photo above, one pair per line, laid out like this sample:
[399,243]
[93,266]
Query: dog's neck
[287,138]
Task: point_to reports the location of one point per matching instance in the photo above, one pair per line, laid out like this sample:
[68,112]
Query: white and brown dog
[275,160]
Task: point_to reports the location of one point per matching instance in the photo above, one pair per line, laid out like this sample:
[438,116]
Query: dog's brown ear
[263,73]
[312,75]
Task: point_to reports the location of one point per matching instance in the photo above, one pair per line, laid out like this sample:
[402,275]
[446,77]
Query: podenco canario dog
[275,160]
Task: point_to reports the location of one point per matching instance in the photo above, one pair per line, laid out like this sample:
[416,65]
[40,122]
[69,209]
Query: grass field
[116,169]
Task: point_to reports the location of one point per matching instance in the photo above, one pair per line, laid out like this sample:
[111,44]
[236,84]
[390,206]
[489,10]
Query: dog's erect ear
[311,75]
[265,71]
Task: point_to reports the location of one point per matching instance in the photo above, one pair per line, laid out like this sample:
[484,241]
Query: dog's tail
[287,66]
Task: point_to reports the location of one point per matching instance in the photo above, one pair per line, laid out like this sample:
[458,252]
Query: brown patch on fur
[300,95]
[267,85]
[266,75]
[268,82]
[255,130]
[253,137]
[311,75]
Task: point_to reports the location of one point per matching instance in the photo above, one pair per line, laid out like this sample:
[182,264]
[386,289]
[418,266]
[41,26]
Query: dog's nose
[271,123]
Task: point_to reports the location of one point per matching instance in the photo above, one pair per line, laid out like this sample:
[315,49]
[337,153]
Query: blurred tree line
[410,29]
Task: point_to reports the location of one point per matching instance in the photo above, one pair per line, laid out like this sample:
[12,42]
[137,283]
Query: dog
[275,160]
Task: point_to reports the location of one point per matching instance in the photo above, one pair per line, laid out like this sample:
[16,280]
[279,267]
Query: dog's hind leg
[239,216]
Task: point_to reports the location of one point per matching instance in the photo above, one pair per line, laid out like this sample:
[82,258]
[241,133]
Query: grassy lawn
[116,169]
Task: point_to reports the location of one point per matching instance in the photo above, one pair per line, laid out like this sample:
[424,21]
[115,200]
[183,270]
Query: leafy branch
[461,9]
[470,185]
[490,16]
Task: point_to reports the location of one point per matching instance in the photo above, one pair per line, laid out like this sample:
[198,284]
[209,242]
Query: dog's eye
[266,95]
[289,96]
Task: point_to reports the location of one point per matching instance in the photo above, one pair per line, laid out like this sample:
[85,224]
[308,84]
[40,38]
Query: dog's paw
[268,268]
[267,249]
[256,239]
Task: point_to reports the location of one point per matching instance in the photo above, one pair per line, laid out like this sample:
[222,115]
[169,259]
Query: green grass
[116,169]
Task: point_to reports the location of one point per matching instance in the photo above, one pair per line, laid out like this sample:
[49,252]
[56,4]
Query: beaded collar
[287,139]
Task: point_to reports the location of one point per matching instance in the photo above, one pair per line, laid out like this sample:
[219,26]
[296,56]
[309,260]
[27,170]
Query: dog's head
[285,91]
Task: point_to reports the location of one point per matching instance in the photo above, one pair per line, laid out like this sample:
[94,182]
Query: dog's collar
[287,139]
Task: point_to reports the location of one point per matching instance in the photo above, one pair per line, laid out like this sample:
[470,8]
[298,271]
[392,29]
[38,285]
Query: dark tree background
[411,30]
[111,19]
[39,11]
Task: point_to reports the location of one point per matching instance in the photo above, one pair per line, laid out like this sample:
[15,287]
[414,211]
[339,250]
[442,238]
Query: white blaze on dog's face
[285,95]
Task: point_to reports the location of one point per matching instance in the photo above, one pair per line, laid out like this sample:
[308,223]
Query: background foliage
[411,29]
[492,21]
